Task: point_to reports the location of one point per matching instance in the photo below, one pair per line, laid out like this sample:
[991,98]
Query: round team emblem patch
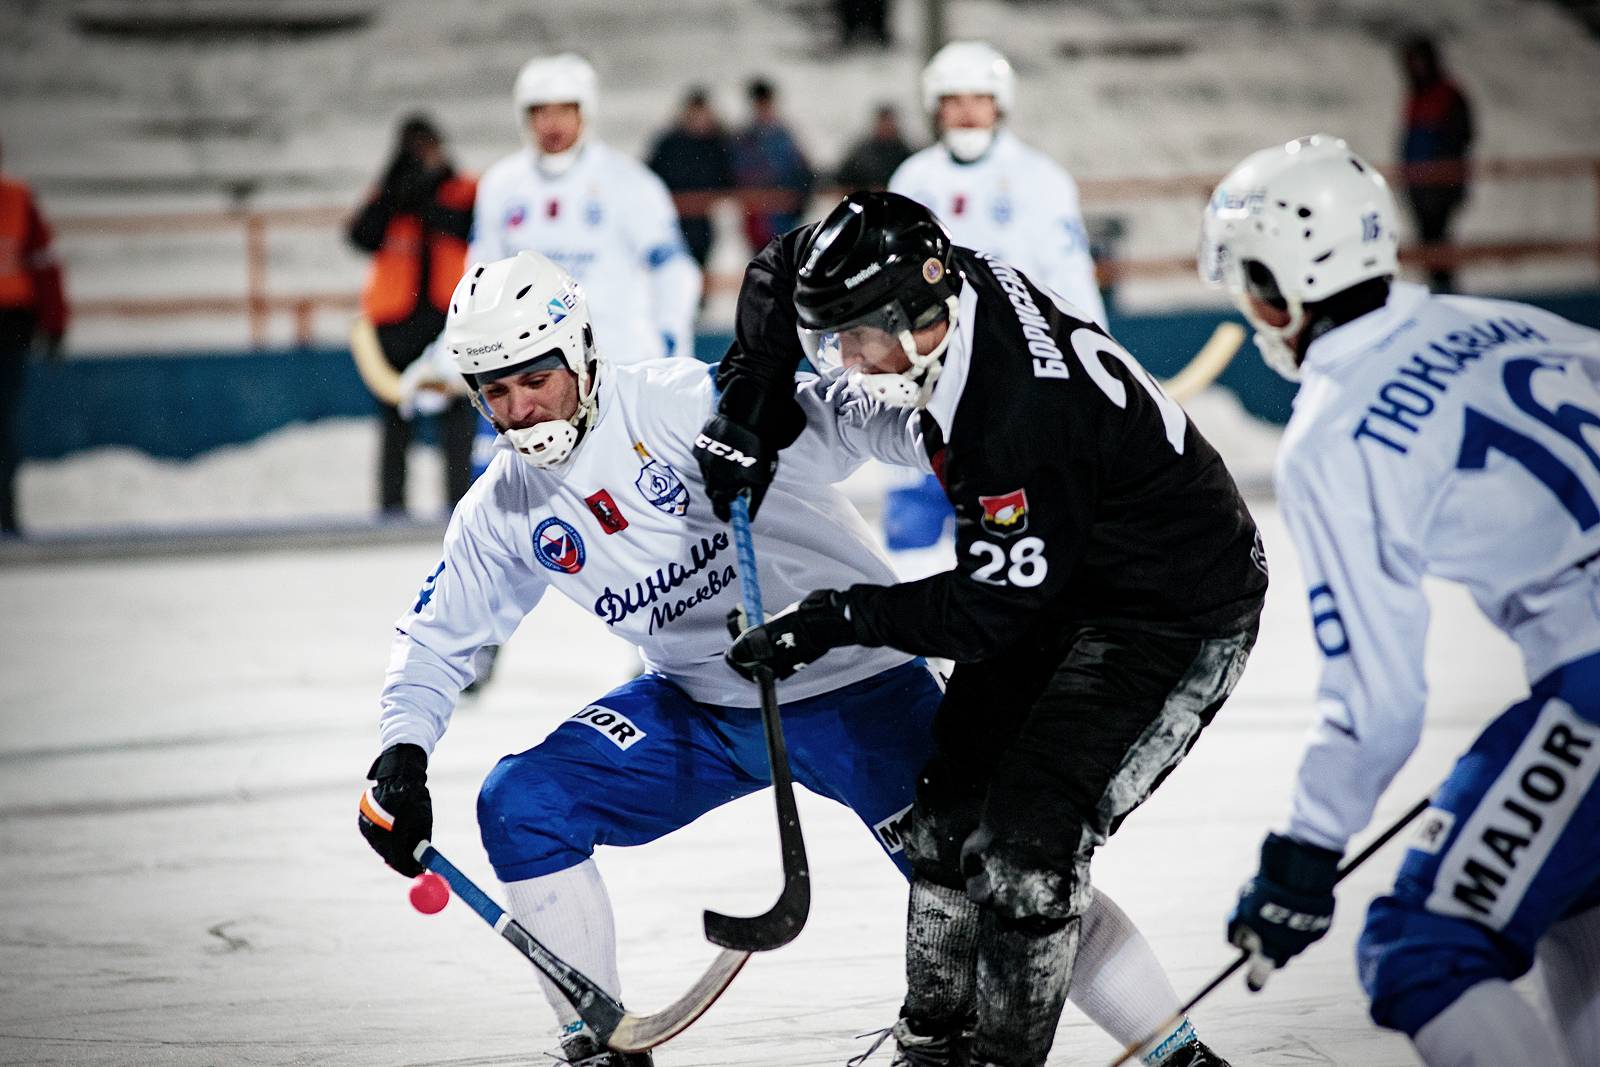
[932,270]
[558,546]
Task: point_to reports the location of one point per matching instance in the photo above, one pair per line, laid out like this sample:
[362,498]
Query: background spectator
[871,160]
[695,153]
[863,22]
[416,226]
[767,156]
[32,302]
[1438,131]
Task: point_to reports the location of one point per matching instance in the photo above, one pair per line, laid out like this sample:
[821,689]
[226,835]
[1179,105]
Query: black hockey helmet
[876,271]
[873,250]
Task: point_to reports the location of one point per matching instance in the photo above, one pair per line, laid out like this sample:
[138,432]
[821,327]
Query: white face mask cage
[966,143]
[548,444]
[882,331]
[1220,267]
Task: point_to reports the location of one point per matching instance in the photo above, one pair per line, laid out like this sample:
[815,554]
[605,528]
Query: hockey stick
[782,923]
[610,1022]
[1212,359]
[1244,957]
[381,379]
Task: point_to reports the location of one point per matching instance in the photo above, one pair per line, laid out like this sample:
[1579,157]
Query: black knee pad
[1021,883]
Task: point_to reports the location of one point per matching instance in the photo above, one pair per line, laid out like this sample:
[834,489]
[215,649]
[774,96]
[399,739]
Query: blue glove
[669,343]
[1285,907]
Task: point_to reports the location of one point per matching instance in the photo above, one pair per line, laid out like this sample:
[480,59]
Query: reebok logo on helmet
[862,275]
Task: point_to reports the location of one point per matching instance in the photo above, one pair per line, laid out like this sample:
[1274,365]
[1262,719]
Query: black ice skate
[583,1049]
[1195,1054]
[913,1049]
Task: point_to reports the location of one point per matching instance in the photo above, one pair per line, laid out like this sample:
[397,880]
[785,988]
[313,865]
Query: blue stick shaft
[465,888]
[744,544]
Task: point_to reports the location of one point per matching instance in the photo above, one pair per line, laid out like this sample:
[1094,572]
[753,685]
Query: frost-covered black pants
[1043,751]
[1040,755]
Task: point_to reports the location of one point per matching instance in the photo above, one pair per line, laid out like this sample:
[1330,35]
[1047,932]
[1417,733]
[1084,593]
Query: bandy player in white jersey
[1459,438]
[594,493]
[995,193]
[602,215]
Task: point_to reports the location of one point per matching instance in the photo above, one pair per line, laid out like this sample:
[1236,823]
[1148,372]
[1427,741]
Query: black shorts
[1042,752]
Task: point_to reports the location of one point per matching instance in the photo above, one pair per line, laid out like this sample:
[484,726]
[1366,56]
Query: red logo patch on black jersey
[1005,515]
[606,512]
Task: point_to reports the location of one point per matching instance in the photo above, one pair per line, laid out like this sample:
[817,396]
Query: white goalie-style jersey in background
[623,528]
[1443,436]
[1016,204]
[611,223]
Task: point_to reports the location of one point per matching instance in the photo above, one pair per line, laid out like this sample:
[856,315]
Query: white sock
[1117,980]
[570,913]
[1570,955]
[1488,1026]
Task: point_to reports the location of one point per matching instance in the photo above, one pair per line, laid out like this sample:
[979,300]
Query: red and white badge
[1005,515]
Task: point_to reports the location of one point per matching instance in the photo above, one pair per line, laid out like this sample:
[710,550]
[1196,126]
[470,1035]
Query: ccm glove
[733,460]
[1285,907]
[396,812]
[795,636]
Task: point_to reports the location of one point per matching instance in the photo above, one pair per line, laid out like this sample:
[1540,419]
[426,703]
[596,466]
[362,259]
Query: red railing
[259,303]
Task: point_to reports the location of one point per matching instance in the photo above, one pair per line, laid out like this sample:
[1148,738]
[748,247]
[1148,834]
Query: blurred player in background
[602,215]
[997,195]
[1458,438]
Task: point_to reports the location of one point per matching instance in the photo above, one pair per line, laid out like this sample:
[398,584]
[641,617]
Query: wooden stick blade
[1207,364]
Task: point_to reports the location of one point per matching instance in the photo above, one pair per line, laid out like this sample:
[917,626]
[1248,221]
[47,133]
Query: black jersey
[1083,494]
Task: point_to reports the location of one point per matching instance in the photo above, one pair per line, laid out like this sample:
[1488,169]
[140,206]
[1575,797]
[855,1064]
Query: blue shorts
[645,760]
[1509,847]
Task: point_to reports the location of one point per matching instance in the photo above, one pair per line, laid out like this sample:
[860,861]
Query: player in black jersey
[1106,595]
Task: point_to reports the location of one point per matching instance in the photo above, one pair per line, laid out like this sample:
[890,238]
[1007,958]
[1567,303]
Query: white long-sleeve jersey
[610,222]
[623,528]
[1015,203]
[1442,436]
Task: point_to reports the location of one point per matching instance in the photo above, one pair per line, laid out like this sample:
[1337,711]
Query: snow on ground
[182,742]
[326,471]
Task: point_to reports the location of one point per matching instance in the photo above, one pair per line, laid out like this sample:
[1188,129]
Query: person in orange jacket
[415,225]
[32,303]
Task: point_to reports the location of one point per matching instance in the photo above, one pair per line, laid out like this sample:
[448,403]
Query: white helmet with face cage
[1293,225]
[517,316]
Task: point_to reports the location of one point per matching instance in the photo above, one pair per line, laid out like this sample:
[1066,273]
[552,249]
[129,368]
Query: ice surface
[182,742]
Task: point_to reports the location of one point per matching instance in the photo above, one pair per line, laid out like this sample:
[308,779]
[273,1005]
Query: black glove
[795,636]
[1285,907]
[396,812]
[732,460]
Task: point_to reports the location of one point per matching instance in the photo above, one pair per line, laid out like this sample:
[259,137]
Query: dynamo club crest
[558,547]
[659,484]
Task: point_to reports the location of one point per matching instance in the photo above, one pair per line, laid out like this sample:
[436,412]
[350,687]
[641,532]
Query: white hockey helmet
[1293,225]
[523,314]
[561,79]
[968,67]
